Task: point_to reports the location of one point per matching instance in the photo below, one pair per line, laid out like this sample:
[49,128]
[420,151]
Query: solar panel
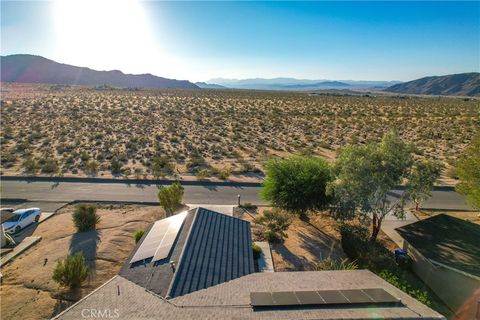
[356,296]
[155,238]
[261,299]
[309,297]
[321,298]
[332,297]
[380,296]
[285,299]
[165,246]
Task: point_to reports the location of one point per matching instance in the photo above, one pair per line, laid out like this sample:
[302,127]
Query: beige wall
[459,291]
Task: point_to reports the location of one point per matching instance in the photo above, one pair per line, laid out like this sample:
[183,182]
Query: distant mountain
[299,84]
[25,68]
[205,85]
[462,84]
[317,85]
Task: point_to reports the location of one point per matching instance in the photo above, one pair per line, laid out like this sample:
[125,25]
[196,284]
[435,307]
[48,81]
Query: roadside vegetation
[85,217]
[468,170]
[170,197]
[354,190]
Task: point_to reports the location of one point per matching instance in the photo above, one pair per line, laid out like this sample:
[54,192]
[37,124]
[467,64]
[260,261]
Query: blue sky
[202,40]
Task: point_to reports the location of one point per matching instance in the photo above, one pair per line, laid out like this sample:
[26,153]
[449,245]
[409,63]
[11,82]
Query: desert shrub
[399,280]
[71,271]
[225,173]
[138,235]
[85,217]
[257,251]
[8,158]
[30,165]
[161,166]
[49,165]
[330,264]
[91,167]
[202,174]
[116,166]
[276,223]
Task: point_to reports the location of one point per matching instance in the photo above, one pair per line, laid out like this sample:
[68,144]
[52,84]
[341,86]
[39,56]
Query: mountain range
[298,84]
[462,84]
[25,68]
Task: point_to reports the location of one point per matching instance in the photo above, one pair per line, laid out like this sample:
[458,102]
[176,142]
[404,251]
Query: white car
[21,219]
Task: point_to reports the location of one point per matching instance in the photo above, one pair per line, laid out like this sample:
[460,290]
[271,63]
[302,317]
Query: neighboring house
[446,256]
[207,272]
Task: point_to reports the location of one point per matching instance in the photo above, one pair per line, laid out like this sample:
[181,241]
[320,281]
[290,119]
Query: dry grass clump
[152,133]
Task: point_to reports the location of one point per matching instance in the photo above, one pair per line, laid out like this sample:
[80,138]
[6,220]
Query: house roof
[446,239]
[231,300]
[210,248]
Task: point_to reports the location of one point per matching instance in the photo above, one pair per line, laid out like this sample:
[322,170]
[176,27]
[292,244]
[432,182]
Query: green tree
[276,223]
[366,174]
[468,170]
[170,197]
[85,217]
[297,184]
[422,178]
[71,271]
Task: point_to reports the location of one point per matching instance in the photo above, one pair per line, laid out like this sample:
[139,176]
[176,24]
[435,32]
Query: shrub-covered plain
[80,131]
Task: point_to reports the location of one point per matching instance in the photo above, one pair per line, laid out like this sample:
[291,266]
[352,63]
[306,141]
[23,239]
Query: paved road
[222,195]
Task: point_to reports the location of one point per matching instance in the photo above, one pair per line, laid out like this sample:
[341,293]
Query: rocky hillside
[462,84]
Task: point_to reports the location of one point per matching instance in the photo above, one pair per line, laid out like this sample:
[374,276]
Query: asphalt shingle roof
[231,300]
[451,241]
[211,248]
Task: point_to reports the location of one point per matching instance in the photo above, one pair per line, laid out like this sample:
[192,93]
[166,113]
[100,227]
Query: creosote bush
[71,271]
[276,223]
[85,217]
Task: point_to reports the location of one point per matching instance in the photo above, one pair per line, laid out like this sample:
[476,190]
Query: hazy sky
[202,40]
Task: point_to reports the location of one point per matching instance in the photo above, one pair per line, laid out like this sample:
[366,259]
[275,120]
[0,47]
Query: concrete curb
[158,182]
[129,181]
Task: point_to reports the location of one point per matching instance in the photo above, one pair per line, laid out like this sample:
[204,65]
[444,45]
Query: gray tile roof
[231,300]
[218,250]
[211,248]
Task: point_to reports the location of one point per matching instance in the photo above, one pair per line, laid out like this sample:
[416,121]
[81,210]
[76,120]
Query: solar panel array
[324,297]
[160,238]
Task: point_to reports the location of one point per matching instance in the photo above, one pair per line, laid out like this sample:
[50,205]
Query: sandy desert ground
[226,134]
[28,291]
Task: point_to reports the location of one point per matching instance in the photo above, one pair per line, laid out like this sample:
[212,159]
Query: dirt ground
[307,242]
[28,291]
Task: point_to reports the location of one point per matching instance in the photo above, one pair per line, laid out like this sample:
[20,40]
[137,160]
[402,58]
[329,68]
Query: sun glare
[105,34]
